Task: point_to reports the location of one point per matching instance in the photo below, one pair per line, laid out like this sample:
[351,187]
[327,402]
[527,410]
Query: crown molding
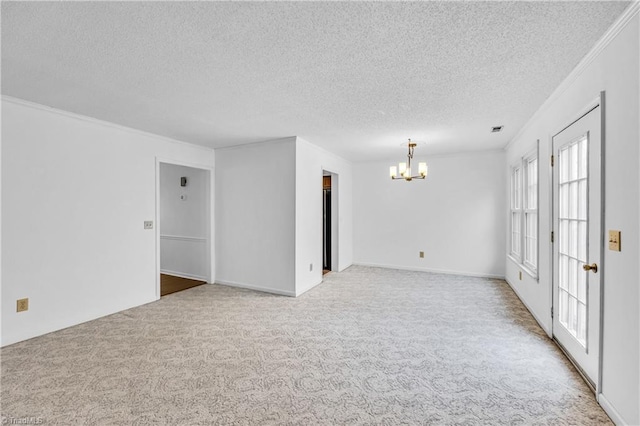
[615,29]
[92,120]
[276,141]
[325,151]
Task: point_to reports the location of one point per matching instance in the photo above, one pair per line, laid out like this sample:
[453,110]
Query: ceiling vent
[496,129]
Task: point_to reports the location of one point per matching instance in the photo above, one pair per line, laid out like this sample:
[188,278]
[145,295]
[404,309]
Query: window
[524,212]
[516,210]
[531,213]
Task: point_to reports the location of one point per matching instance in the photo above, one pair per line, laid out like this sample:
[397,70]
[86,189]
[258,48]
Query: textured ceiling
[355,78]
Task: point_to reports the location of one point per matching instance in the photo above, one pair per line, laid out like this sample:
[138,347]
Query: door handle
[588,268]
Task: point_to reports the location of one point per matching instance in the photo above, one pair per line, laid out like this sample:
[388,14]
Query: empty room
[320,213]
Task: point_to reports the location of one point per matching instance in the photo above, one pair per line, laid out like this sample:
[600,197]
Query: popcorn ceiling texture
[355,78]
[368,346]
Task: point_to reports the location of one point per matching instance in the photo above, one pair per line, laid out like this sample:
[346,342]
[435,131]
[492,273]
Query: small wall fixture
[405,168]
[183,181]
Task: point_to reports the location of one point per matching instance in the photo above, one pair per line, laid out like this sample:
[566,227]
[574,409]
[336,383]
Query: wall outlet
[22,305]
[421,255]
[148,224]
[311,267]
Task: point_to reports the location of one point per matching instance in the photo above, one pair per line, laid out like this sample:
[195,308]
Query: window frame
[523,190]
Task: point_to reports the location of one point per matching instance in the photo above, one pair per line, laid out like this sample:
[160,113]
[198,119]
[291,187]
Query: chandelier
[405,168]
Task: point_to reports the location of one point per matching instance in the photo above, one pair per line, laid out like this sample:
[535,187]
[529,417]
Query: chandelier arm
[408,178]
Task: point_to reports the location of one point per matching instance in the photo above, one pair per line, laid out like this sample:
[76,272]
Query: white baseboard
[437,271]
[299,292]
[342,268]
[542,325]
[51,327]
[183,275]
[611,412]
[255,287]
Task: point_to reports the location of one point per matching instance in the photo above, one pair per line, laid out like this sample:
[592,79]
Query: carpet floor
[368,346]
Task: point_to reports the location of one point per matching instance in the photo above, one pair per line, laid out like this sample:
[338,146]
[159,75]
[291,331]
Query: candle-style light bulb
[422,168]
[393,171]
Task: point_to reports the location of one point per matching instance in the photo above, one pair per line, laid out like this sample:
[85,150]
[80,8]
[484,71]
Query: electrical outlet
[311,267]
[148,224]
[421,255]
[22,305]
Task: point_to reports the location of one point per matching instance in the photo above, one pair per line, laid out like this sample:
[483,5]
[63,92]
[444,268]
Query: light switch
[614,240]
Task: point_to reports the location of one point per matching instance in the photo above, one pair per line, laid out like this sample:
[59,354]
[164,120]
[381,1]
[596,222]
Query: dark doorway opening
[326,224]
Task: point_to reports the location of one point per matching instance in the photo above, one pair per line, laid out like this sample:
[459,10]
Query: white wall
[615,69]
[269,222]
[255,216]
[184,222]
[1,235]
[75,193]
[456,216]
[310,163]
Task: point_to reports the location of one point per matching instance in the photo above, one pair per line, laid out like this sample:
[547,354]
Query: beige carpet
[368,346]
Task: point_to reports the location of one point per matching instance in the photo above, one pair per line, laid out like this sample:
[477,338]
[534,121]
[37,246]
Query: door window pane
[573,238]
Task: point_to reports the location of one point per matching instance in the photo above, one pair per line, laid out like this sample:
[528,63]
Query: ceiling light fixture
[405,168]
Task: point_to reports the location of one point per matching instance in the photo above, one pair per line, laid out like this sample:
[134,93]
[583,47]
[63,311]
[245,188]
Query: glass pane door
[573,238]
[577,226]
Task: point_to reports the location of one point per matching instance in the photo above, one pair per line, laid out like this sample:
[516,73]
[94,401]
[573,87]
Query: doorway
[578,241]
[330,221]
[326,223]
[183,227]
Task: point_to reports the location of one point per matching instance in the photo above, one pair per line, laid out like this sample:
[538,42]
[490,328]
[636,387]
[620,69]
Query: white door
[577,227]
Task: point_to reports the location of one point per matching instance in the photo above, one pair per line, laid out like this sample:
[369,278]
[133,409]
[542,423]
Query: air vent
[496,129]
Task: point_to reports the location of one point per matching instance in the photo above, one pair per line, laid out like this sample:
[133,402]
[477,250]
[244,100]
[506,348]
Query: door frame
[210,246]
[599,101]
